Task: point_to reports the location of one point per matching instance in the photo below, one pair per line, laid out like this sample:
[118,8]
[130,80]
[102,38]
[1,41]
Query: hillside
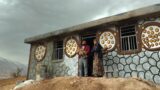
[91,83]
[8,84]
[7,67]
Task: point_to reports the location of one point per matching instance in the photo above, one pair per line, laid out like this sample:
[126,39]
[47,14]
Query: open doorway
[89,39]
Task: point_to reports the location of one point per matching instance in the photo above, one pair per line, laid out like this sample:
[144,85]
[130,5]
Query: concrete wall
[65,67]
[33,62]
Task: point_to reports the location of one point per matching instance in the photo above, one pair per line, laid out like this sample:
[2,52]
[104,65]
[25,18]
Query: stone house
[132,38]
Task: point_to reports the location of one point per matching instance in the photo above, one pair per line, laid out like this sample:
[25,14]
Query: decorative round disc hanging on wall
[151,35]
[107,39]
[71,47]
[40,52]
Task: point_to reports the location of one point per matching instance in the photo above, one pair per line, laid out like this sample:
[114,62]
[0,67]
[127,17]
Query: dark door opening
[89,39]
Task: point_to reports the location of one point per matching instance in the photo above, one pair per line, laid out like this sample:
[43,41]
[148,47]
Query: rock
[159,54]
[121,73]
[141,54]
[155,56]
[139,68]
[132,55]
[158,64]
[134,74]
[141,75]
[63,67]
[116,60]
[152,61]
[127,75]
[146,66]
[143,60]
[110,57]
[129,60]
[109,62]
[114,53]
[132,66]
[126,56]
[104,62]
[115,74]
[120,66]
[105,58]
[143,49]
[149,76]
[115,68]
[109,53]
[58,73]
[25,83]
[154,70]
[62,73]
[123,61]
[120,56]
[127,69]
[136,60]
[109,75]
[148,53]
[110,69]
[105,68]
[157,79]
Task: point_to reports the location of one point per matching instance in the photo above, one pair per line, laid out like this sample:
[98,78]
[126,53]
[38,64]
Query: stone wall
[145,65]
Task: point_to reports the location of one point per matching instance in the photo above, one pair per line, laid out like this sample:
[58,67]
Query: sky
[20,19]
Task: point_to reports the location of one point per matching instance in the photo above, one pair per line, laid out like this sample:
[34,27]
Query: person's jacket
[97,49]
[86,49]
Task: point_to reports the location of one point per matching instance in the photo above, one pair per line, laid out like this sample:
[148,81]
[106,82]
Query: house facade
[132,38]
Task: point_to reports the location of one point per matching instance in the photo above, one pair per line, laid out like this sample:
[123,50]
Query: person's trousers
[83,66]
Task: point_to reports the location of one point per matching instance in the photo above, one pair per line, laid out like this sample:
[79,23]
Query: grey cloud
[20,19]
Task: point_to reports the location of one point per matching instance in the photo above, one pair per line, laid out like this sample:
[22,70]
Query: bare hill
[90,83]
[8,84]
[7,67]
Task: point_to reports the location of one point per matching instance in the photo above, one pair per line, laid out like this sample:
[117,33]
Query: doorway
[89,39]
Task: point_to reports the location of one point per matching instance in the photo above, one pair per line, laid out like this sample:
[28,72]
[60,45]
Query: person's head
[95,41]
[84,42]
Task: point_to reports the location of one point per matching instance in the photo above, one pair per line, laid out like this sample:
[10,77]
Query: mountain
[7,67]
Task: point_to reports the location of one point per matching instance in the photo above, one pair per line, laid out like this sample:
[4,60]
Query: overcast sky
[20,19]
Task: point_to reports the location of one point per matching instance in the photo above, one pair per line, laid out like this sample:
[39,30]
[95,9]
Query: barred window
[128,38]
[58,50]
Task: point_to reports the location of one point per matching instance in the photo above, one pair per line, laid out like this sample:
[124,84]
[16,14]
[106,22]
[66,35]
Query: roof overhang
[115,18]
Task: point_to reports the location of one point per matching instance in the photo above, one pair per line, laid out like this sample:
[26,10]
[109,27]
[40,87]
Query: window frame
[54,50]
[138,39]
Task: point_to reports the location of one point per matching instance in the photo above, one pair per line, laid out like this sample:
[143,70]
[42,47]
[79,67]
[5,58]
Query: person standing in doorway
[83,53]
[96,51]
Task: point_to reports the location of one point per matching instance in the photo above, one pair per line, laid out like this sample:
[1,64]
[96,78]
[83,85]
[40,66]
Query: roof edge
[126,15]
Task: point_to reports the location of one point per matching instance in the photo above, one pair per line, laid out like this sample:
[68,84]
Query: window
[128,38]
[58,50]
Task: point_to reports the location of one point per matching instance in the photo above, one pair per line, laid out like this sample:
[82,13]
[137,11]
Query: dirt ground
[8,84]
[90,83]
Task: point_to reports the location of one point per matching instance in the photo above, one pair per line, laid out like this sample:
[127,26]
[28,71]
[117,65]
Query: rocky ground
[90,83]
[8,84]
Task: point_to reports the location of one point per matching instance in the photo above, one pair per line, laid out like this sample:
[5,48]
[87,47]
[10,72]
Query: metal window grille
[58,51]
[128,38]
